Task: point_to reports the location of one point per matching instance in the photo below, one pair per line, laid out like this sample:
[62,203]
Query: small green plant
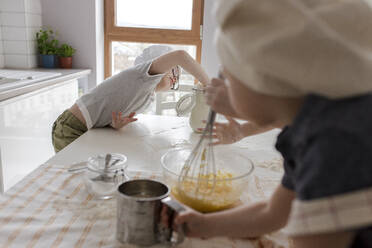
[66,51]
[47,43]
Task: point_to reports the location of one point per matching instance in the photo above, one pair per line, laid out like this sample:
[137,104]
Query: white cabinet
[25,129]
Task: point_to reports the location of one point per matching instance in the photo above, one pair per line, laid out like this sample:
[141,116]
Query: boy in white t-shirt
[116,101]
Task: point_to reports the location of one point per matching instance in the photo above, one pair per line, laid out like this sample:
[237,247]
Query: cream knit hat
[296,47]
[151,53]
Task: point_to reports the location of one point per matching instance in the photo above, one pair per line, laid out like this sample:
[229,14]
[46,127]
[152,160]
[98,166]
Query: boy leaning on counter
[116,100]
[306,67]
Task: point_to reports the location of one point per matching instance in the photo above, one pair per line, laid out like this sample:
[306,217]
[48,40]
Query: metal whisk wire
[201,161]
[200,164]
[207,165]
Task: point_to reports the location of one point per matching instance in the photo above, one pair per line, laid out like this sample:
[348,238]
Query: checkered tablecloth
[51,208]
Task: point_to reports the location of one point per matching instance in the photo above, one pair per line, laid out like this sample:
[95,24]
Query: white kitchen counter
[27,114]
[142,141]
[66,75]
[145,140]
[52,208]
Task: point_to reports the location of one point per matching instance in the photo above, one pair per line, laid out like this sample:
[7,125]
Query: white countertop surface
[51,207]
[66,74]
[142,141]
[147,139]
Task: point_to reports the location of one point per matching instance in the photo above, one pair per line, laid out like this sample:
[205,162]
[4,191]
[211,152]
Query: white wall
[20,20]
[100,40]
[210,61]
[77,25]
[1,50]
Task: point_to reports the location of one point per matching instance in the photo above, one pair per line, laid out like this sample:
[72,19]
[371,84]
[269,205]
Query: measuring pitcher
[195,103]
[145,214]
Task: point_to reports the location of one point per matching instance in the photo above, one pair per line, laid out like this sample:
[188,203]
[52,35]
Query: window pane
[124,54]
[165,14]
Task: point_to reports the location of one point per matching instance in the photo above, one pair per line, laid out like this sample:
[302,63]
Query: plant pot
[48,61]
[65,62]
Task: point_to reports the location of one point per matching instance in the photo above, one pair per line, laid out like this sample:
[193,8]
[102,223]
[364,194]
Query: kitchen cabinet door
[25,129]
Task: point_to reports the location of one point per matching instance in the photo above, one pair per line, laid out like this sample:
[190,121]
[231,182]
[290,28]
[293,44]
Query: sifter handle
[175,207]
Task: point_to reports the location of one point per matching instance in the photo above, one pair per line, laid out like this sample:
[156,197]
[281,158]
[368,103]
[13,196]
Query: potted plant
[47,45]
[65,53]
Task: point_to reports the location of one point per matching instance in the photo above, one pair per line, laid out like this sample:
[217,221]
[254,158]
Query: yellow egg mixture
[202,198]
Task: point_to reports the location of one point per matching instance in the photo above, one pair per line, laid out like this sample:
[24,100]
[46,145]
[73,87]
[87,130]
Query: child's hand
[231,132]
[119,121]
[227,133]
[217,97]
[195,224]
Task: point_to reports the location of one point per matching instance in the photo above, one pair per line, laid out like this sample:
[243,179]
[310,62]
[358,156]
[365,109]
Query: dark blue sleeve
[287,180]
[333,162]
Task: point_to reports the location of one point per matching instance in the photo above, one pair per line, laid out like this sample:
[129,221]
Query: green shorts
[66,129]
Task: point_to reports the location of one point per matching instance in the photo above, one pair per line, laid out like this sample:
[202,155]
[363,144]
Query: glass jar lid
[107,163]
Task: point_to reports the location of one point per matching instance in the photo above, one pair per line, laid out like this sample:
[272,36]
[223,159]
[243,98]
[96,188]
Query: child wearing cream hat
[306,67]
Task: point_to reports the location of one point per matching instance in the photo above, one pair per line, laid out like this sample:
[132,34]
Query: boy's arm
[233,131]
[242,222]
[257,219]
[167,61]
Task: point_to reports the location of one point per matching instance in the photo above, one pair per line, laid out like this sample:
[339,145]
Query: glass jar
[104,173]
[195,103]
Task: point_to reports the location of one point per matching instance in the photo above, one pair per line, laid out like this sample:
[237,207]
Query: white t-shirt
[131,90]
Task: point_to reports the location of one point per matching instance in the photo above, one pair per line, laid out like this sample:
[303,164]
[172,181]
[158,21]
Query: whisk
[200,165]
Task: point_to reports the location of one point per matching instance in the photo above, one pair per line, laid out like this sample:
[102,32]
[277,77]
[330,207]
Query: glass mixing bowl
[101,180]
[233,174]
